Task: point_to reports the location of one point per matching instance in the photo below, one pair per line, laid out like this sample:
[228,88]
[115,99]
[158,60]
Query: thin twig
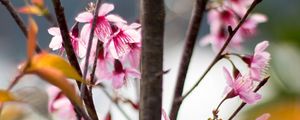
[262,83]
[92,75]
[219,55]
[84,90]
[13,12]
[190,41]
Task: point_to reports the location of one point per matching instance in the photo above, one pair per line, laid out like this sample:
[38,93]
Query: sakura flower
[102,29]
[134,54]
[120,75]
[56,41]
[240,6]
[218,38]
[248,29]
[60,105]
[102,61]
[121,38]
[265,116]
[258,61]
[241,86]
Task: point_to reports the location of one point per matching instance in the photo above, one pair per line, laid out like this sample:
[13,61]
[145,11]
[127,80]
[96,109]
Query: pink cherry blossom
[134,55]
[121,38]
[120,75]
[102,29]
[218,38]
[249,28]
[241,86]
[229,14]
[258,61]
[56,42]
[264,116]
[59,104]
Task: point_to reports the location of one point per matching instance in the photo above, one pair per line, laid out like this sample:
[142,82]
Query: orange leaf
[32,9]
[45,59]
[6,96]
[38,2]
[32,31]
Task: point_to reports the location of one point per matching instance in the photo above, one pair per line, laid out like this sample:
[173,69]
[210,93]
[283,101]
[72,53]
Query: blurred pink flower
[264,116]
[220,18]
[258,61]
[59,104]
[120,75]
[240,86]
[164,115]
[122,36]
[103,29]
[56,42]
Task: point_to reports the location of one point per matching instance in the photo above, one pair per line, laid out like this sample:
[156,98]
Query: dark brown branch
[219,55]
[261,84]
[13,12]
[60,16]
[152,20]
[190,41]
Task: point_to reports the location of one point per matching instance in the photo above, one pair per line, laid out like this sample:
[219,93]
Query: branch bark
[190,40]
[152,20]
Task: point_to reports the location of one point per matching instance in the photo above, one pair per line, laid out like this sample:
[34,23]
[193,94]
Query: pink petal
[118,80]
[261,46]
[135,35]
[228,77]
[84,17]
[264,116]
[56,43]
[81,50]
[85,34]
[115,19]
[249,97]
[133,72]
[105,8]
[164,115]
[55,31]
[259,18]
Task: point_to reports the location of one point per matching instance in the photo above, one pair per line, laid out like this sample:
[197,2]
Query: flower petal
[105,8]
[84,17]
[115,19]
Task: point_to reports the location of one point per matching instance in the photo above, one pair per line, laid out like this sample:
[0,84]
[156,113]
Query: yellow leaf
[32,9]
[6,96]
[32,31]
[46,60]
[58,79]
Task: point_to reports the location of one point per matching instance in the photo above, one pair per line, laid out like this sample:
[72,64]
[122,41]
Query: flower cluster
[121,43]
[227,13]
[242,85]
